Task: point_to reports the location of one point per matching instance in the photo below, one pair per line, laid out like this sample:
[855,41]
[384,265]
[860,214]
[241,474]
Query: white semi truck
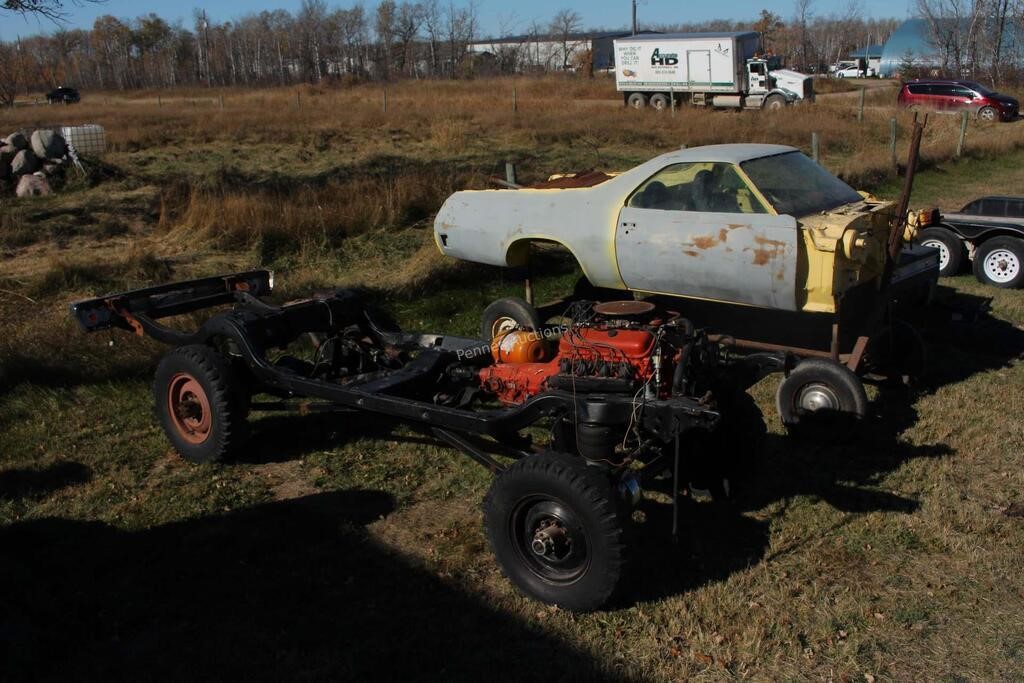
[704,69]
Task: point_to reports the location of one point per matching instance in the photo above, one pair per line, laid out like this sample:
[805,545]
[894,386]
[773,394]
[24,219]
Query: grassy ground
[353,547]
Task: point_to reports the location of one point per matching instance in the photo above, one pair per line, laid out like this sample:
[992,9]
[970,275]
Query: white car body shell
[739,258]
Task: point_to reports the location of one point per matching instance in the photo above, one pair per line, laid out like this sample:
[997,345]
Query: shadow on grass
[291,590]
[25,483]
[721,537]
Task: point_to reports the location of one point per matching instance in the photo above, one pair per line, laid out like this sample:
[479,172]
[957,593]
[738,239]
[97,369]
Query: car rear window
[917,89]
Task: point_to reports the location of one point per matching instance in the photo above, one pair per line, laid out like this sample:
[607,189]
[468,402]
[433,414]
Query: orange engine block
[583,352]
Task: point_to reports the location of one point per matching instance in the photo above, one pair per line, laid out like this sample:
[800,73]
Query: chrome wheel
[815,397]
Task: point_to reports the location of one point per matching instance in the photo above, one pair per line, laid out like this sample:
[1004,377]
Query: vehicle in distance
[988,232]
[854,72]
[63,95]
[721,70]
[957,96]
[749,224]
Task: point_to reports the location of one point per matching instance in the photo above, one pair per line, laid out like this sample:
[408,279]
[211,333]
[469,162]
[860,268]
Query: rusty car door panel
[736,257]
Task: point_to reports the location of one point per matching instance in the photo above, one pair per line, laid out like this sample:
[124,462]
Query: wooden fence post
[385,99]
[510,173]
[892,143]
[963,135]
[815,147]
[222,101]
[860,110]
[298,100]
[515,100]
[672,99]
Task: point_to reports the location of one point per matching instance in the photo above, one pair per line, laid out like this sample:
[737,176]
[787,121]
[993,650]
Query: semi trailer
[705,69]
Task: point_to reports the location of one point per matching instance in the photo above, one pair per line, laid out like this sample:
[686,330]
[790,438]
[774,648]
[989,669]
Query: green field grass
[351,547]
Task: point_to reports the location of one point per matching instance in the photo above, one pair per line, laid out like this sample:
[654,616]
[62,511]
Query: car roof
[729,154]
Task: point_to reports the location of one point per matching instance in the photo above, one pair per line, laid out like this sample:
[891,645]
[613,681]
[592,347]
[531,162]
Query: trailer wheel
[200,403]
[505,315]
[554,525]
[775,102]
[951,249]
[637,100]
[999,261]
[659,101]
[821,399]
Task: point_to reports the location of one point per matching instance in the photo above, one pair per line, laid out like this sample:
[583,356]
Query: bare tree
[50,9]
[953,26]
[564,25]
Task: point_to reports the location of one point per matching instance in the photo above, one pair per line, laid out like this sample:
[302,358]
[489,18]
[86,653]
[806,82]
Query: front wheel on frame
[556,529]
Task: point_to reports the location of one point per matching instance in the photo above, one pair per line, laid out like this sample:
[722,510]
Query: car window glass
[697,186]
[961,91]
[1015,208]
[993,207]
[797,186]
[972,208]
[916,89]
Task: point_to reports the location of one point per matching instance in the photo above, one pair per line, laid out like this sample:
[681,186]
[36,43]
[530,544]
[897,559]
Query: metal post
[892,143]
[860,111]
[815,147]
[963,135]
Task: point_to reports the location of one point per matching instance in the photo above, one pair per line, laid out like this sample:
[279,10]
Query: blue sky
[494,14]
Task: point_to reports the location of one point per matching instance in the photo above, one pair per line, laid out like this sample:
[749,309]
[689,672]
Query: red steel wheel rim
[189,408]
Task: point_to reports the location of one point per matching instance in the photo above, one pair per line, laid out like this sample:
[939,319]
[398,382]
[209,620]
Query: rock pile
[31,161]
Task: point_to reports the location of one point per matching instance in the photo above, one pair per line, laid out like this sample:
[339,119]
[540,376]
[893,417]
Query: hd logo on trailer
[668,59]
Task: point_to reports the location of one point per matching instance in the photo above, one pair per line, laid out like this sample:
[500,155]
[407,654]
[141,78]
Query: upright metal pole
[634,17]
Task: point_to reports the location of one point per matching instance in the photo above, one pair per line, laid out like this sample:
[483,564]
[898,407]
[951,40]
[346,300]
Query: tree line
[430,39]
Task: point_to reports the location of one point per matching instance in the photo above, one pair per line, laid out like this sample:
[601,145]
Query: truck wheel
[554,526]
[505,315]
[988,114]
[659,101]
[821,399]
[200,403]
[951,249]
[775,102]
[637,100]
[998,262]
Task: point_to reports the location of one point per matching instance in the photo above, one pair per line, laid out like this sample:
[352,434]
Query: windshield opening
[797,186]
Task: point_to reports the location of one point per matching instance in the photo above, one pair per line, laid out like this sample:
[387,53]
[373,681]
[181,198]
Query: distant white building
[549,52]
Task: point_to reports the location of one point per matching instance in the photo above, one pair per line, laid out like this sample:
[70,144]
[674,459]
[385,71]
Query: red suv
[959,96]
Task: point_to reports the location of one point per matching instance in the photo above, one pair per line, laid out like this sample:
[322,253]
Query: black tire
[507,314]
[952,252]
[998,262]
[575,500]
[201,403]
[637,100]
[988,114]
[659,101]
[775,102]
[821,399]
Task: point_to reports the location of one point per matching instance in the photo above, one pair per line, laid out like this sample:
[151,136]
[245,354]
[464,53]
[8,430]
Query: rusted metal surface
[734,257]
[900,219]
[855,358]
[624,309]
[588,178]
[752,345]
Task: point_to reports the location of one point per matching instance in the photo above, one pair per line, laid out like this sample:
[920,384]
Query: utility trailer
[705,69]
[628,395]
